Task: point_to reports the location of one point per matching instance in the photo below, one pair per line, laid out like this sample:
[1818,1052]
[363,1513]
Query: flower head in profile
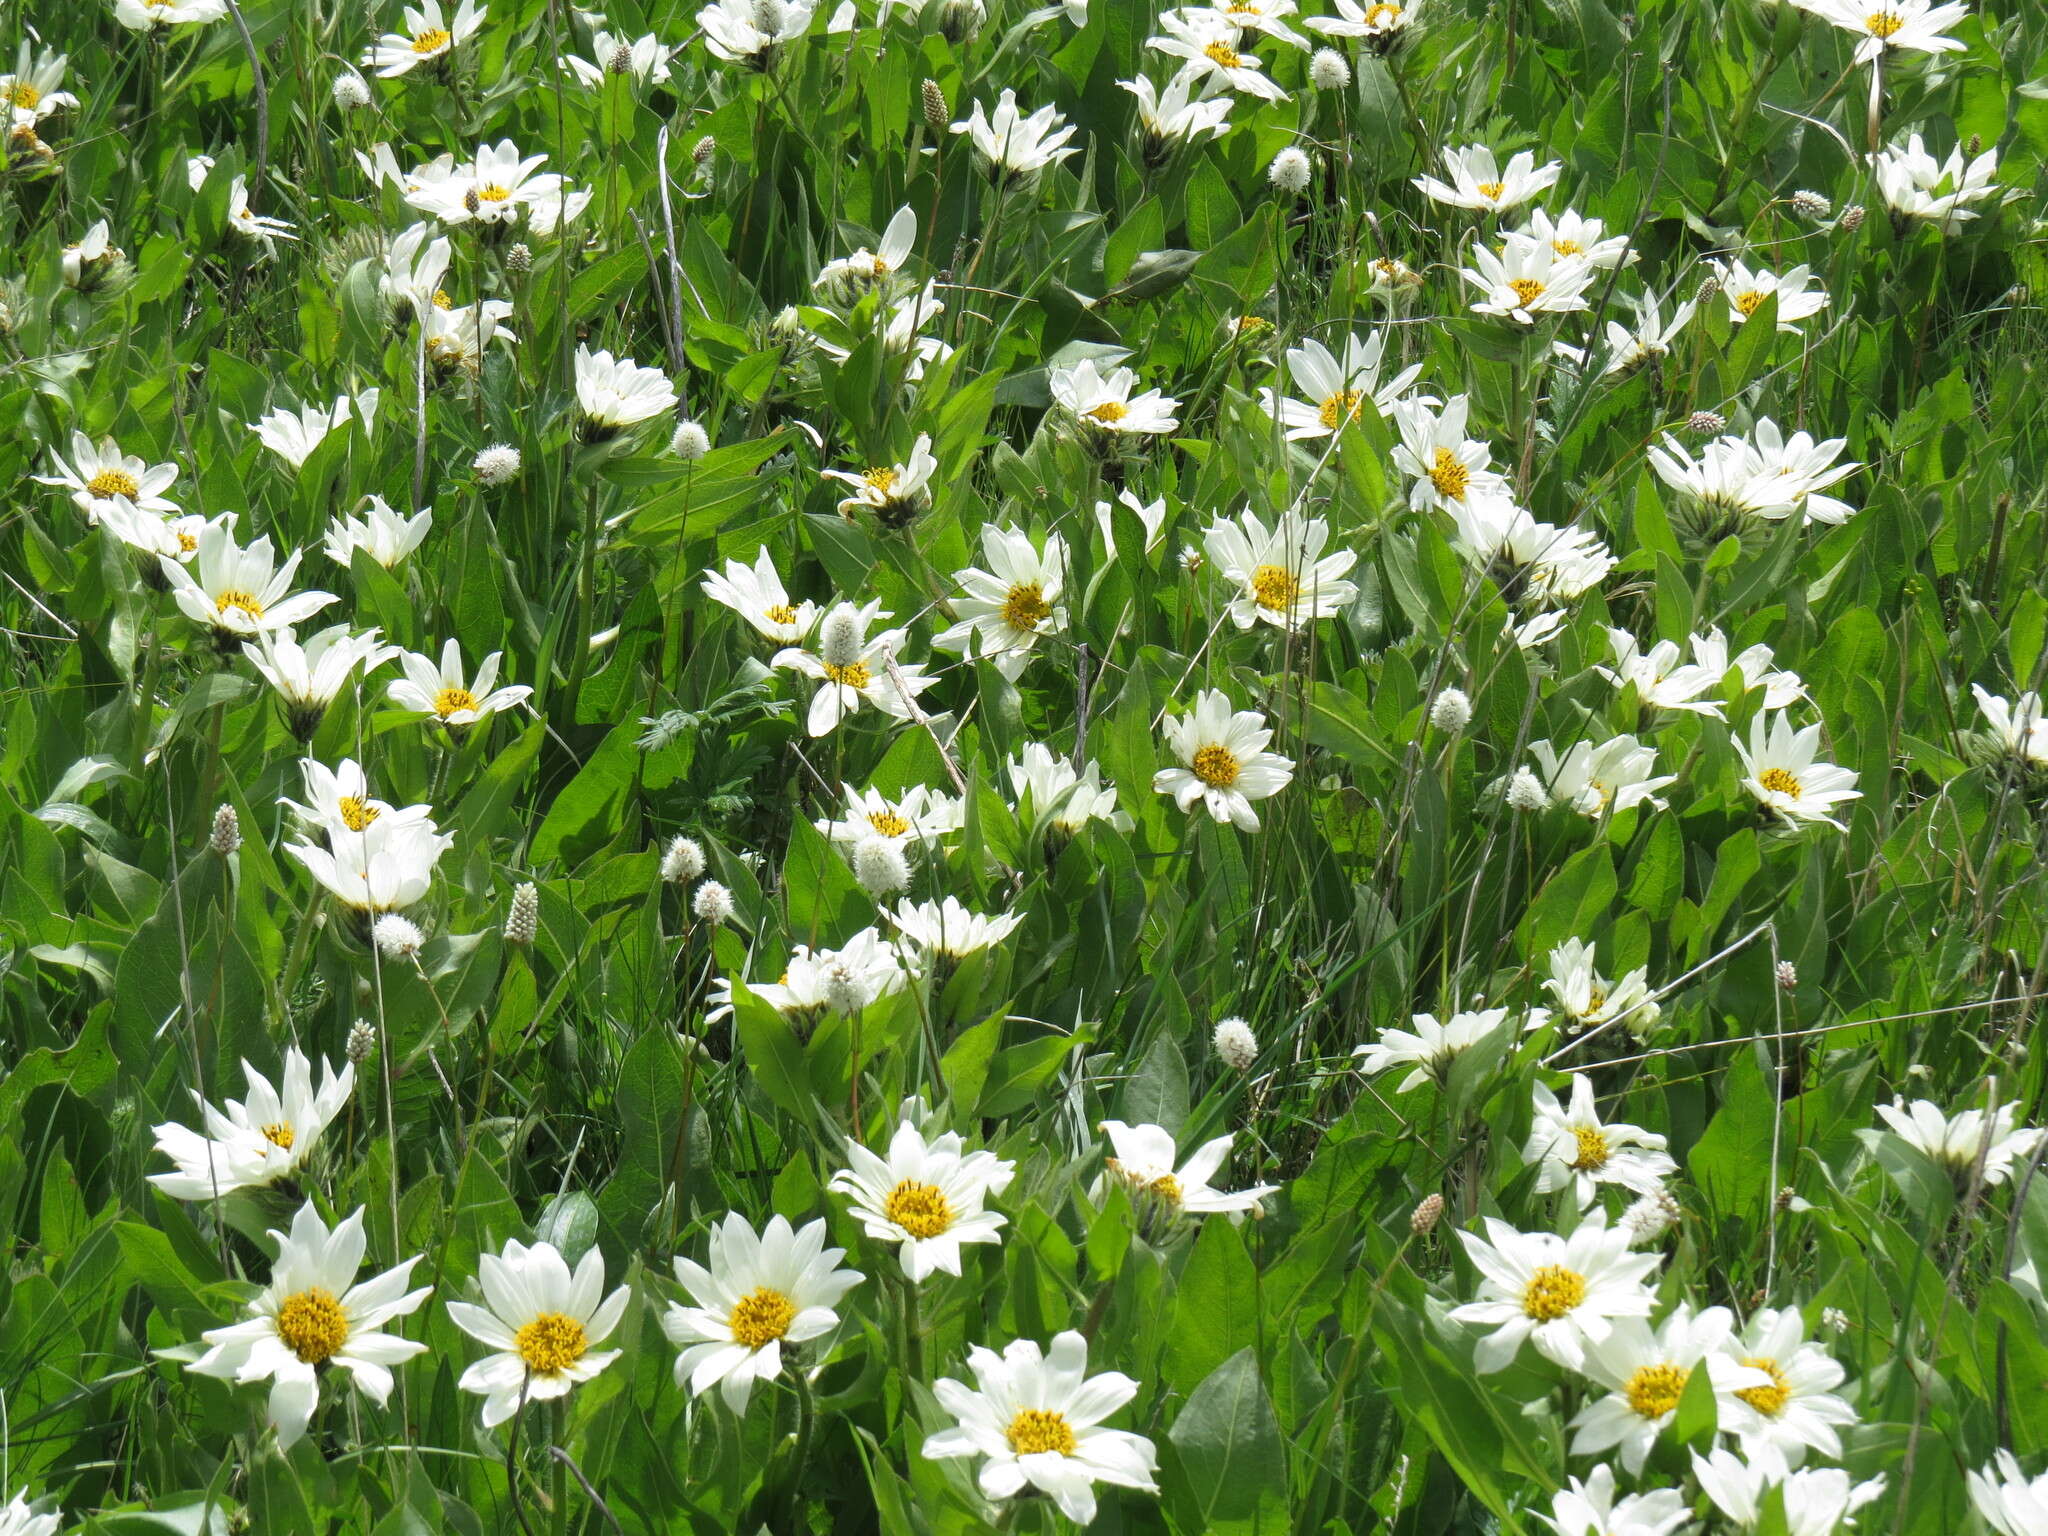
[313,1313]
[863,268]
[1819,1501]
[1890,25]
[387,865]
[1757,666]
[761,1292]
[1336,385]
[239,590]
[1644,343]
[309,675]
[1477,181]
[2017,727]
[1206,42]
[944,932]
[430,36]
[261,228]
[1528,560]
[894,493]
[1781,768]
[101,476]
[613,394]
[1590,1508]
[1797,1412]
[540,1321]
[1223,762]
[925,1196]
[1143,1158]
[755,592]
[256,1140]
[1431,1048]
[1573,1148]
[18,1519]
[1035,1417]
[1585,999]
[1176,114]
[1050,789]
[1645,1372]
[1012,143]
[1660,675]
[1801,468]
[2008,1502]
[1151,517]
[1604,779]
[293,435]
[1917,186]
[1280,574]
[1573,236]
[1103,402]
[1747,288]
[438,688]
[378,531]
[852,668]
[645,58]
[863,970]
[752,32]
[1380,23]
[152,536]
[1970,1145]
[1013,603]
[1564,1294]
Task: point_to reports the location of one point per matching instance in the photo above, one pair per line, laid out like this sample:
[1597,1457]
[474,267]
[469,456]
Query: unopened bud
[226,837]
[1834,1319]
[1709,286]
[1975,146]
[936,114]
[621,61]
[471,201]
[1811,205]
[1705,421]
[1427,1215]
[1851,219]
[840,637]
[1787,974]
[519,259]
[362,1039]
[522,922]
[704,149]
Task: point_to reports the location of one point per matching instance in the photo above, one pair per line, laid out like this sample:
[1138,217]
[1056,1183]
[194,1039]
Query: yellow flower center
[1216,766]
[1248,325]
[1779,781]
[1491,190]
[441,299]
[1552,1292]
[1167,1188]
[1037,1430]
[1749,302]
[1593,1149]
[761,1317]
[1447,472]
[854,674]
[186,543]
[1769,1401]
[1382,15]
[113,482]
[780,613]
[881,478]
[494,193]
[1654,1390]
[1109,412]
[1566,247]
[888,823]
[24,95]
[1527,289]
[1882,24]
[432,40]
[1025,608]
[918,1209]
[1223,55]
[1340,407]
[280,1135]
[550,1343]
[235,597]
[1275,588]
[312,1325]
[357,813]
[449,701]
[1596,999]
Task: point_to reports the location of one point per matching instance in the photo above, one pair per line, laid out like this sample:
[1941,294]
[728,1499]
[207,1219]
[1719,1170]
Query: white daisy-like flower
[540,1321]
[239,590]
[339,799]
[1206,42]
[941,932]
[454,339]
[438,689]
[1969,1145]
[1817,1502]
[1778,1424]
[894,493]
[1268,18]
[314,1313]
[149,15]
[309,675]
[2009,1503]
[2018,726]
[1478,182]
[409,276]
[1604,779]
[1009,141]
[920,813]
[866,966]
[1525,279]
[1888,25]
[1591,1509]
[1450,468]
[646,60]
[1781,770]
[1144,1160]
[293,435]
[925,1196]
[1561,1293]
[95,255]
[17,1519]
[749,31]
[151,535]
[1796,469]
[1379,22]
[1642,344]
[1012,604]
[1585,999]
[1917,186]
[1036,1417]
[859,676]
[865,268]
[1573,1148]
[387,865]
[1224,764]
[1660,676]
[256,1140]
[1574,236]
[1645,1372]
[1526,559]
[1049,788]
[1280,574]
[1431,1048]
[613,394]
[1151,516]
[759,1293]
[1337,386]
[246,222]
[1756,665]
[101,476]
[499,187]
[1173,114]
[429,34]
[31,91]
[1104,401]
[379,532]
[1746,288]
[757,595]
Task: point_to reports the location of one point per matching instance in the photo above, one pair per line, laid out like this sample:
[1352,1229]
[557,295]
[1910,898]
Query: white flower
[1757,666]
[1536,631]
[350,91]
[496,465]
[1525,279]
[540,1322]
[147,15]
[1037,1419]
[1224,764]
[341,802]
[100,478]
[1450,469]
[239,590]
[749,31]
[1337,386]
[85,263]
[1818,1502]
[1327,70]
[1562,1293]
[919,812]
[1526,559]
[1049,788]
[1172,115]
[1968,1144]
[31,92]
[1266,17]
[312,1313]
[499,187]
[1378,20]
[1009,141]
[387,865]
[1917,24]
[757,595]
[455,339]
[1591,1509]
[1478,182]
[1574,1148]
[1143,1159]
[1290,170]
[16,1519]
[925,1196]
[1104,400]
[1574,236]
[1918,186]
[1430,1048]
[894,493]
[293,435]
[1206,41]
[308,676]
[396,937]
[428,35]
[712,903]
[689,442]
[439,690]
[149,534]
[874,964]
[1599,780]
[1013,603]
[1800,468]
[862,678]
[2009,1503]
[759,1292]
[682,861]
[1660,678]
[1236,1046]
[1780,769]
[1280,574]
[1585,999]
[613,394]
[1450,711]
[646,60]
[1151,517]
[864,267]
[378,531]
[1647,341]
[1746,289]
[251,225]
[945,930]
[1797,1412]
[257,1140]
[2019,727]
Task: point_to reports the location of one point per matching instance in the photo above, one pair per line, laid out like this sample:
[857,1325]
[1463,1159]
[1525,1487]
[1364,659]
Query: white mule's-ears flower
[1223,762]
[255,1140]
[540,1321]
[925,1196]
[1143,1159]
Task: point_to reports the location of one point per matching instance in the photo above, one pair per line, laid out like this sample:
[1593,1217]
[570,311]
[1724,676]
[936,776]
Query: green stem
[586,600]
[806,1417]
[913,1332]
[558,1479]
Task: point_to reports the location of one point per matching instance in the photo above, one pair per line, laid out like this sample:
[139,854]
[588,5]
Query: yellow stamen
[1340,407]
[450,701]
[1593,1150]
[1491,190]
[888,823]
[550,1343]
[1216,767]
[235,597]
[357,813]
[1769,1401]
[1224,55]
[1749,303]
[761,1317]
[780,613]
[113,482]
[1567,247]
[281,1135]
[919,1209]
[854,674]
[24,95]
[1025,608]
[1527,289]
[1654,1390]
[1166,1187]
[1883,24]
[881,478]
[1552,1292]
[312,1325]
[1275,588]
[1035,1431]
[1447,472]
[432,40]
[1108,413]
[494,193]
[1779,781]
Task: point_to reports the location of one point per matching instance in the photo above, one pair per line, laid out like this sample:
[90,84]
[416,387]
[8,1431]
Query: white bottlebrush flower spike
[256,1140]
[1223,762]
[1036,1419]
[1564,1294]
[1574,1149]
[541,1322]
[1013,603]
[1280,574]
[438,688]
[760,1293]
[925,1196]
[1143,1158]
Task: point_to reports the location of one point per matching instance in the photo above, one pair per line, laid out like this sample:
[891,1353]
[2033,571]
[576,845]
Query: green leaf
[1233,1466]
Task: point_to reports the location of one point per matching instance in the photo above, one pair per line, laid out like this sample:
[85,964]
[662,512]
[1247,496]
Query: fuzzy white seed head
[351,91]
[841,636]
[712,903]
[396,937]
[362,1039]
[522,922]
[1236,1046]
[683,862]
[880,867]
[497,465]
[1327,71]
[226,837]
[1289,171]
[1451,711]
[1649,1218]
[690,442]
[842,988]
[1526,792]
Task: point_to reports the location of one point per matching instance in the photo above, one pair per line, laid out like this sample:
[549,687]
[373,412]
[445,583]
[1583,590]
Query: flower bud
[936,114]
[840,636]
[621,61]
[519,258]
[1705,422]
[1709,286]
[226,837]
[1787,974]
[1427,1214]
[1851,219]
[1811,205]
[843,991]
[362,1039]
[1649,1218]
[522,922]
